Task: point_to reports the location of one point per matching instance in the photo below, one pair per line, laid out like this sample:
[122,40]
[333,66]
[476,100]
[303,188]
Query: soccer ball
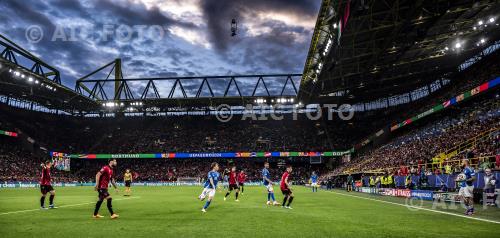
[460,177]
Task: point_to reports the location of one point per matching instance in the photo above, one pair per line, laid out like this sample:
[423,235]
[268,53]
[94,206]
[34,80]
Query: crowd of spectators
[197,169]
[404,154]
[71,134]
[13,162]
[415,150]
[483,71]
[19,165]
[417,146]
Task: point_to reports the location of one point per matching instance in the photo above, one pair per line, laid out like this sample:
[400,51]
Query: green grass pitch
[175,212]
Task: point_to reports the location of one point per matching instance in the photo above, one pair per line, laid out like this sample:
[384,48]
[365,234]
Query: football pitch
[175,212]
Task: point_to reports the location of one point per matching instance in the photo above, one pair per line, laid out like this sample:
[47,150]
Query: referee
[127,177]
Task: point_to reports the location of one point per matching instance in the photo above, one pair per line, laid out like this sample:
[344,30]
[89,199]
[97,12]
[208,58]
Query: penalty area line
[420,208]
[69,205]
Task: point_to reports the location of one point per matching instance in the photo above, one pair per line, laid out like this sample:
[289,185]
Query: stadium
[262,118]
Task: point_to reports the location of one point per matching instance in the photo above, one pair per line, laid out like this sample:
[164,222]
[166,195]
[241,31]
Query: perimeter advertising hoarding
[202,155]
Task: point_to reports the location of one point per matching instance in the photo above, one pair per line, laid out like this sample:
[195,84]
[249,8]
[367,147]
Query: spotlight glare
[480,22]
[492,19]
[458,45]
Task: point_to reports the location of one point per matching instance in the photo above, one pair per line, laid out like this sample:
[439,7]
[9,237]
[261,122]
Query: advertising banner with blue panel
[448,180]
[366,180]
[422,194]
[400,181]
[415,179]
[431,180]
[444,180]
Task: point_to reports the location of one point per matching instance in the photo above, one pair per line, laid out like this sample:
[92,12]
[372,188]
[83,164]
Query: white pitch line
[70,205]
[420,208]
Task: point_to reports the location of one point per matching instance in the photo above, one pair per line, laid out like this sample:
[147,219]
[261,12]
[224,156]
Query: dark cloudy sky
[179,37]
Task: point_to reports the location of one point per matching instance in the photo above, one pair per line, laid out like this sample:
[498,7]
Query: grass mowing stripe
[69,205]
[420,208]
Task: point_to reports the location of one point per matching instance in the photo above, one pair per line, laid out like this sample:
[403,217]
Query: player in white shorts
[467,187]
[266,180]
[210,186]
[314,182]
[207,192]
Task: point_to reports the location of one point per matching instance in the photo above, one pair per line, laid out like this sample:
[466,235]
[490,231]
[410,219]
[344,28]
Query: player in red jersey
[233,184]
[285,188]
[102,180]
[242,177]
[46,187]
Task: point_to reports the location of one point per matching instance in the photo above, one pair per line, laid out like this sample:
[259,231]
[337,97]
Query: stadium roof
[26,77]
[360,50]
[374,48]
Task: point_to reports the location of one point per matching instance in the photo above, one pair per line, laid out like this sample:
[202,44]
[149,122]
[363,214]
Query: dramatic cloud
[164,38]
[255,13]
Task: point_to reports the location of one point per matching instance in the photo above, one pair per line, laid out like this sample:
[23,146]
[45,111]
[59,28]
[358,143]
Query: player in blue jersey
[467,187]
[314,182]
[210,186]
[266,180]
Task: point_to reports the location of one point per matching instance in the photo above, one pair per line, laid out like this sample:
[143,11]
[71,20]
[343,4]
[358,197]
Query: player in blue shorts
[314,182]
[210,186]
[266,179]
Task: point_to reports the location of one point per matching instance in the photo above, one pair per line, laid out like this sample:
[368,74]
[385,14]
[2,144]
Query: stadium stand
[205,134]
[418,147]
[177,134]
[422,142]
[428,145]
[118,109]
